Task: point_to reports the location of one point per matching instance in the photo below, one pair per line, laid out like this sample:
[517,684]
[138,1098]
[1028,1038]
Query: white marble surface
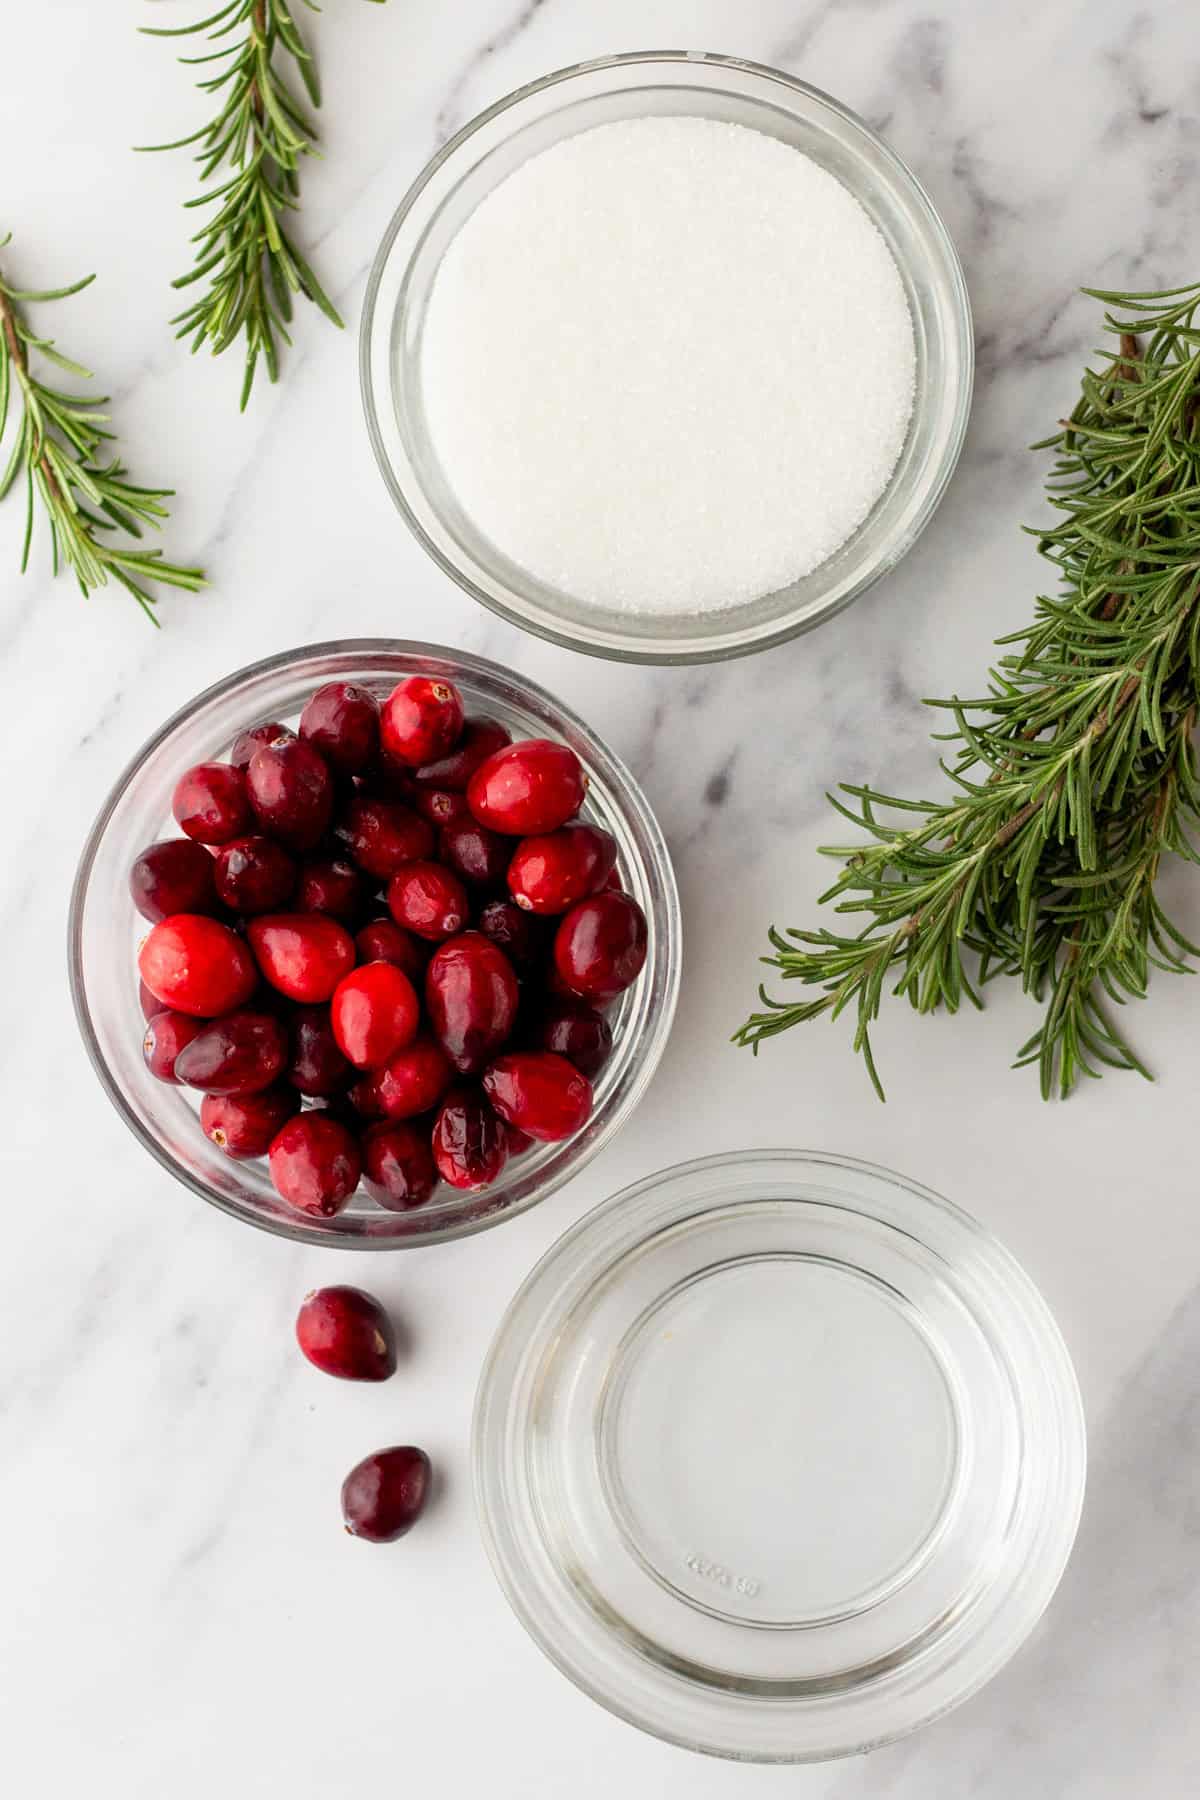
[181,1614]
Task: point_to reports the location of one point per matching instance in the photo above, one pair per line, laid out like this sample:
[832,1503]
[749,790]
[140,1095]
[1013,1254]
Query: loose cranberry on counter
[573,1029]
[374,1013]
[441,806]
[549,874]
[197,966]
[382,835]
[385,1494]
[471,994]
[240,1054]
[480,856]
[315,1164]
[345,1332]
[429,900]
[409,1083]
[167,1033]
[328,885]
[382,940]
[530,787]
[291,791]
[342,722]
[210,803]
[481,738]
[600,947]
[420,720]
[245,1125]
[521,937]
[303,955]
[316,1066]
[470,1142]
[540,1093]
[175,876]
[254,875]
[247,742]
[398,1166]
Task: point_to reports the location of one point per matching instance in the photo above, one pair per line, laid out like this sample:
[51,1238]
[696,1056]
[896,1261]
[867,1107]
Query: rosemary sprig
[250,265]
[1075,774]
[58,443]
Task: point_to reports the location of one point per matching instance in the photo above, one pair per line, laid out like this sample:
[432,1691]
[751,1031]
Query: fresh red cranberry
[549,874]
[374,1013]
[345,1332]
[420,720]
[149,1003]
[384,1495]
[441,806]
[247,742]
[540,1093]
[246,1124]
[518,1141]
[521,937]
[573,1029]
[342,722]
[316,1066]
[398,1165]
[291,791]
[600,947]
[481,738]
[385,941]
[429,900]
[197,966]
[303,955]
[254,875]
[409,1083]
[531,787]
[167,1033]
[210,803]
[471,995]
[480,856]
[382,835]
[328,885]
[240,1054]
[315,1164]
[175,876]
[470,1143]
[611,883]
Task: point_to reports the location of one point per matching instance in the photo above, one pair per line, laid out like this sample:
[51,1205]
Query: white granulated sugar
[667,365]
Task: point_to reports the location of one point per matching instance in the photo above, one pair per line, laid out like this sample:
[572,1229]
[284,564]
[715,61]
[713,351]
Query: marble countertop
[181,1613]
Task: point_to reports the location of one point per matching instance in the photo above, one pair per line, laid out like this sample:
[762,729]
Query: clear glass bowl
[573,100]
[105,929]
[778,1455]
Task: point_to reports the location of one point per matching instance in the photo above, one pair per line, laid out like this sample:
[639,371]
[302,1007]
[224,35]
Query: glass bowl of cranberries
[375,944]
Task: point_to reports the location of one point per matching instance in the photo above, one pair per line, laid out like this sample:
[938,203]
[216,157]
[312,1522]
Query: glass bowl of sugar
[667,357]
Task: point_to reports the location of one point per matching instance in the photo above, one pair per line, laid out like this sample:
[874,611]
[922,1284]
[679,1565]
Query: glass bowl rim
[782,630]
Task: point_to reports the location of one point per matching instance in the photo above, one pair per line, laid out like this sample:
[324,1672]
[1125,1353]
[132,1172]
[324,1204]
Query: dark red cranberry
[521,937]
[303,955]
[385,941]
[315,1065]
[441,806]
[240,1054]
[540,1093]
[197,966]
[382,835]
[210,803]
[398,1166]
[518,1141]
[429,900]
[342,722]
[385,1494]
[328,885]
[247,742]
[149,1003]
[532,786]
[549,874]
[600,947]
[421,720]
[480,856]
[470,1143]
[167,1033]
[291,791]
[246,1124]
[409,1083]
[573,1029]
[254,875]
[175,876]
[471,994]
[481,738]
[345,1332]
[374,1013]
[315,1164]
